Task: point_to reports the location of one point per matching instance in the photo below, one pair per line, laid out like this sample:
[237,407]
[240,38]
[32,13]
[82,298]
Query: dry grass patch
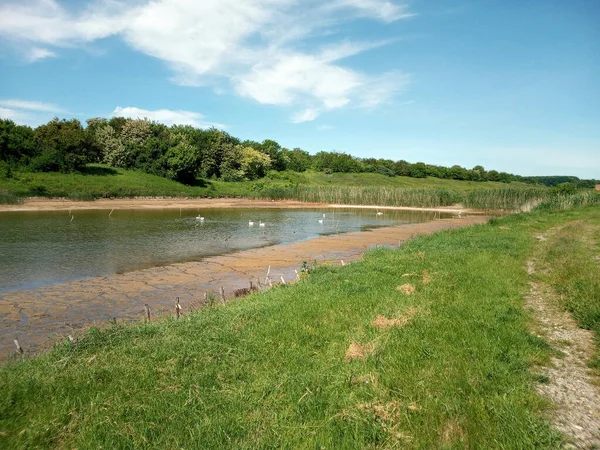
[358,351]
[406,288]
[426,277]
[453,432]
[383,323]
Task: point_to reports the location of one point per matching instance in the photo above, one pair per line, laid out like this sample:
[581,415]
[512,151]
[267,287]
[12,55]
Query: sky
[513,85]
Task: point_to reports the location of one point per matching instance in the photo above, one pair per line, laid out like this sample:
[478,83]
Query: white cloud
[32,106]
[307,115]
[166,116]
[262,47]
[36,53]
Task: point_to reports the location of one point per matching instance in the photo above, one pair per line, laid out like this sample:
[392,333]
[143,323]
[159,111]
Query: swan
[320,221]
[200,218]
[379,213]
[250,223]
[261,224]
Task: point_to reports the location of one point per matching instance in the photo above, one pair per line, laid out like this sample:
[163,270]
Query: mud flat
[40,316]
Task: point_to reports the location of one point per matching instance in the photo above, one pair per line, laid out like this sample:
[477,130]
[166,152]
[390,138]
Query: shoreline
[61,204]
[38,317]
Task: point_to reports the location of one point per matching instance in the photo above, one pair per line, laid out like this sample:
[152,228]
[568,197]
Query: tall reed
[506,199]
[352,195]
[8,198]
[567,201]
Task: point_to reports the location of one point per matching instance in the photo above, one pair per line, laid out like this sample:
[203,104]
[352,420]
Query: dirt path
[571,386]
[57,204]
[38,316]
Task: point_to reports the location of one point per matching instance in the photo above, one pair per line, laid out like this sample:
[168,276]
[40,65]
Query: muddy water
[40,248]
[39,315]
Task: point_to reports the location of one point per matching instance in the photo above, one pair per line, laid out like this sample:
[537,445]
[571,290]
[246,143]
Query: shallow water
[40,248]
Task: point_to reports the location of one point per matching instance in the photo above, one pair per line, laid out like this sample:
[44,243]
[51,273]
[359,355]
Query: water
[39,248]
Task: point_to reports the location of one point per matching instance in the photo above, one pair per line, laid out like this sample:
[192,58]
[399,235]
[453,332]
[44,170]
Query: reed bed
[506,199]
[7,198]
[568,201]
[353,195]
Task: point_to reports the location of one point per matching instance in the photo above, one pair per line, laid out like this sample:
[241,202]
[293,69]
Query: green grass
[99,181]
[8,198]
[571,257]
[269,371]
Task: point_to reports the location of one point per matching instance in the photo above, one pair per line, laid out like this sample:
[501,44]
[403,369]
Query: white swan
[200,218]
[379,213]
[261,224]
[250,223]
[320,221]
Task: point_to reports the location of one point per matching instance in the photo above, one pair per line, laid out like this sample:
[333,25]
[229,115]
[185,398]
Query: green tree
[182,159]
[254,163]
[62,144]
[17,143]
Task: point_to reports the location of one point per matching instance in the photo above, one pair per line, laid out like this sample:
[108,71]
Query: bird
[250,223]
[324,215]
[379,213]
[320,220]
[200,218]
[460,214]
[261,224]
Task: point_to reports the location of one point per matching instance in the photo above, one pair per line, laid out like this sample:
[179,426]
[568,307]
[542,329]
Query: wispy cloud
[37,53]
[32,106]
[263,48]
[26,112]
[166,116]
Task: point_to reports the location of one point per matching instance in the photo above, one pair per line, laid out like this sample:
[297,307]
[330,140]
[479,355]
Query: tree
[112,149]
[298,159]
[418,170]
[273,149]
[63,145]
[253,163]
[182,159]
[17,143]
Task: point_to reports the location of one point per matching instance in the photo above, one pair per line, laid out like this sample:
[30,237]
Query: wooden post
[177,309]
[147,309]
[297,274]
[19,348]
[111,211]
[223,294]
[343,263]
[282,280]
[267,280]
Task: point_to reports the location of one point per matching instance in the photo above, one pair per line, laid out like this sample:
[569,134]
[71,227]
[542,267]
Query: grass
[99,181]
[8,198]
[271,370]
[571,256]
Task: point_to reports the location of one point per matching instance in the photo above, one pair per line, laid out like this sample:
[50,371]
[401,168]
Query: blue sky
[513,85]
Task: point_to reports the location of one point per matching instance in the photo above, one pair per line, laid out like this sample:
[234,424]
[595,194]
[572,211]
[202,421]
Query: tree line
[185,153]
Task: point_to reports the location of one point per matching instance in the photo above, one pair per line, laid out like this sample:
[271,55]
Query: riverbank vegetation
[427,346]
[184,154]
[102,181]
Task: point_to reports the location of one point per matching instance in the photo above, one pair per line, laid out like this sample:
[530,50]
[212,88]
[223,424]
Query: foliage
[183,153]
[65,141]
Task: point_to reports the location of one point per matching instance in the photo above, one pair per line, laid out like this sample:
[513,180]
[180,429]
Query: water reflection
[38,248]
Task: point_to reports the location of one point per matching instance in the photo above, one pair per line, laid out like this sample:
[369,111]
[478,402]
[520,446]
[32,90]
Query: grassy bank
[571,265]
[343,359]
[98,181]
